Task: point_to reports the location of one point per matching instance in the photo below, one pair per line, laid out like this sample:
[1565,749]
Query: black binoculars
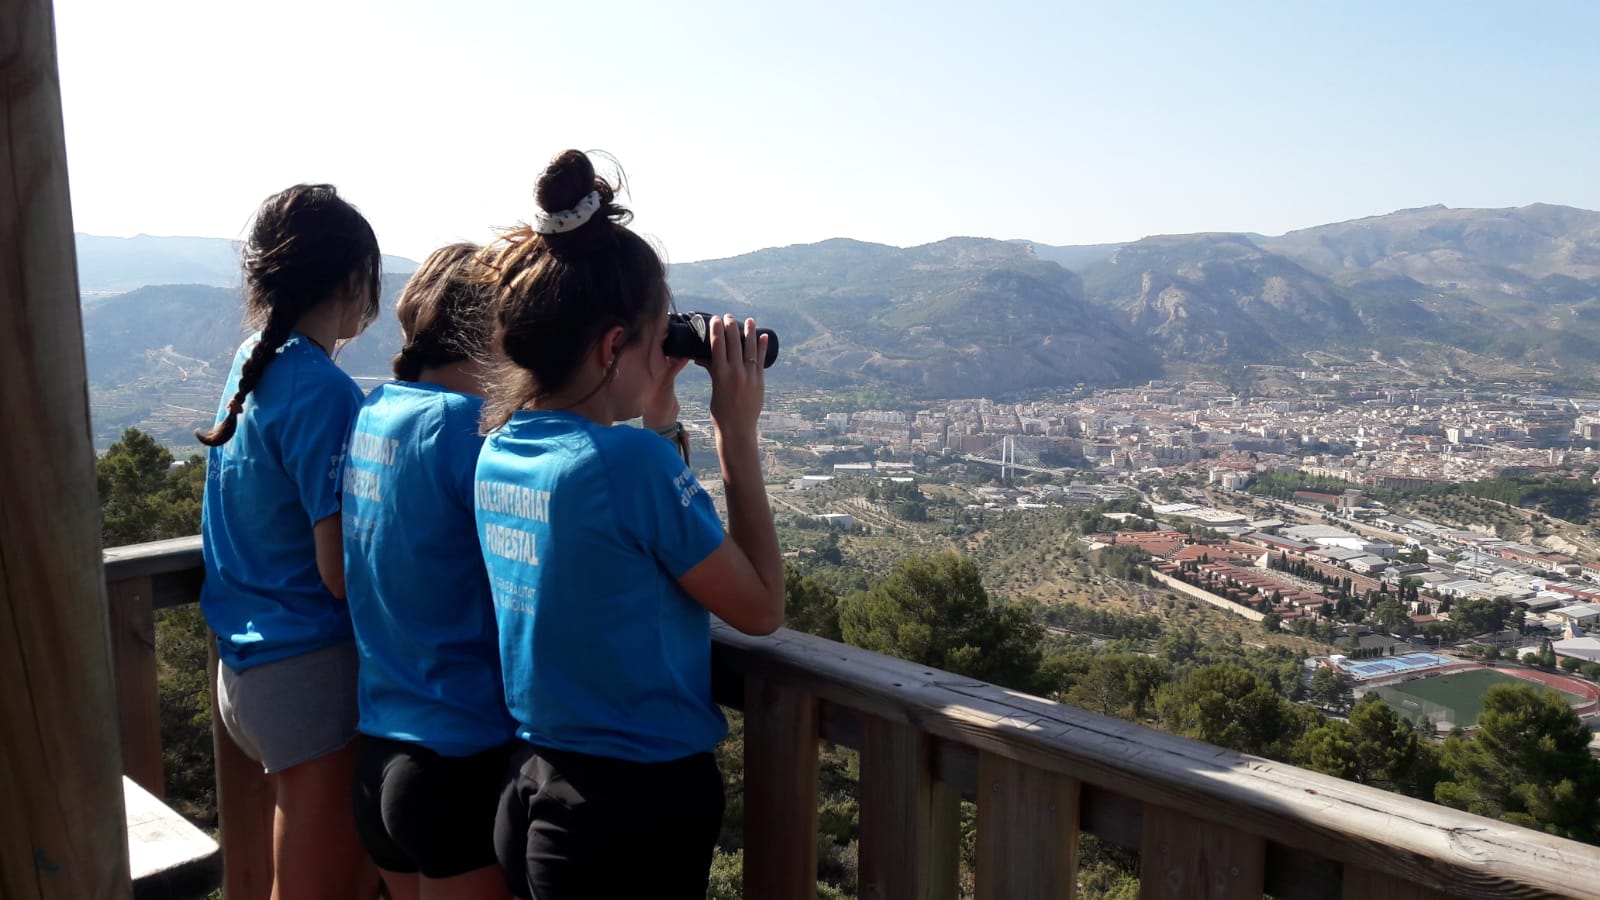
[689,337]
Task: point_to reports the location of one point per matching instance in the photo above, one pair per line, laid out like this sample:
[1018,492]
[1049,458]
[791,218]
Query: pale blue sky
[746,125]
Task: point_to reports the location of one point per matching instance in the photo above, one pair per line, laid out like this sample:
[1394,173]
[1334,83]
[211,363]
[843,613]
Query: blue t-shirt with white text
[585,530]
[265,490]
[419,596]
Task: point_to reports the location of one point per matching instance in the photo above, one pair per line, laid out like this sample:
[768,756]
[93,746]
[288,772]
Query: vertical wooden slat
[245,802]
[63,835]
[1184,857]
[897,839]
[133,654]
[1363,884]
[780,792]
[944,851]
[1027,831]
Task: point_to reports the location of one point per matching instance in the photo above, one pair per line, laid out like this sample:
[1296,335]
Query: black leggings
[572,825]
[418,811]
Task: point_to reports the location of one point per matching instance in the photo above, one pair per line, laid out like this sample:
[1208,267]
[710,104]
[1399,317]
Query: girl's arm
[329,533]
[742,580]
[661,410]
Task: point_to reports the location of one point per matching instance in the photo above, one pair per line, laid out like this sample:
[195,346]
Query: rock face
[1220,298]
[1519,286]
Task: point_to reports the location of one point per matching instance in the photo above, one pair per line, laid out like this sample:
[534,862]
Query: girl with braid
[435,733]
[274,589]
[605,557]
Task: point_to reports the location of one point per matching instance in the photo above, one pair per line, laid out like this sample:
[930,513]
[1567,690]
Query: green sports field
[1462,692]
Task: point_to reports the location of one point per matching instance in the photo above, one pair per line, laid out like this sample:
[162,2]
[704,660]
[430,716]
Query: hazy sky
[753,124]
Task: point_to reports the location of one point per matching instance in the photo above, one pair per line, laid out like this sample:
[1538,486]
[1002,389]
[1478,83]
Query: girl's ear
[610,345]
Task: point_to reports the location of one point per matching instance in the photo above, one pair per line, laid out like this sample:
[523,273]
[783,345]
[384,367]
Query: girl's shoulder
[426,406]
[313,370]
[637,452]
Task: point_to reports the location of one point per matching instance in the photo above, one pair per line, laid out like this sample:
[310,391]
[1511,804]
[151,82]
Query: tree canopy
[143,496]
[1230,706]
[935,611]
[1528,763]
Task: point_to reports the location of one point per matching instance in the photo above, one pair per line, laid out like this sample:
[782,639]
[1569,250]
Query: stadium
[1449,691]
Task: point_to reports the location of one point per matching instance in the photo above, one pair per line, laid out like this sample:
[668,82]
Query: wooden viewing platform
[1207,822]
[77,653]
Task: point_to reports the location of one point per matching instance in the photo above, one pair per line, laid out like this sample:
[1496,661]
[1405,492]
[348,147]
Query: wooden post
[1027,831]
[133,652]
[897,816]
[245,801]
[63,833]
[780,792]
[1183,857]
[944,853]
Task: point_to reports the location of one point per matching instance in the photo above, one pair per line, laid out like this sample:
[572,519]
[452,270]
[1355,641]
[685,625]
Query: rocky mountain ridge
[1449,293]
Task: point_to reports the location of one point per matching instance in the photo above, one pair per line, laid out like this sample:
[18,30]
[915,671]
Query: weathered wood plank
[1364,884]
[245,803]
[944,852]
[1027,831]
[170,589]
[1184,858]
[839,725]
[1301,810]
[957,765]
[154,558]
[1114,818]
[897,841]
[133,652]
[62,834]
[780,792]
[168,857]
[1300,874]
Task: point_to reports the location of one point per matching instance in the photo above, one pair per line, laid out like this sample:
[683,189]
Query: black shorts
[419,811]
[573,825]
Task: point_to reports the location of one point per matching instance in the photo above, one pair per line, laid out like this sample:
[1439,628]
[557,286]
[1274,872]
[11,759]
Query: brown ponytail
[306,247]
[443,312]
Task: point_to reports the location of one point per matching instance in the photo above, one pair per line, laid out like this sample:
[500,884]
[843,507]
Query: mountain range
[1431,293]
[113,265]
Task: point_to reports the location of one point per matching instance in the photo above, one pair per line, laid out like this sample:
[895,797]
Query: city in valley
[1435,526]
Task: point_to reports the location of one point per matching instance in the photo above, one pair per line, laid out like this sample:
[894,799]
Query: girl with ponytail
[274,588]
[606,558]
[435,733]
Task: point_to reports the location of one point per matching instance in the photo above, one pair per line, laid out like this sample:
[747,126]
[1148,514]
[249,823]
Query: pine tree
[1528,763]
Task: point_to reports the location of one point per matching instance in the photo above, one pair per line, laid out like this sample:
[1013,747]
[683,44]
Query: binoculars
[689,337]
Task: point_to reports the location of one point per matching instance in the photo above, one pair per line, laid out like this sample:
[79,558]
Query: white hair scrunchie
[567,219]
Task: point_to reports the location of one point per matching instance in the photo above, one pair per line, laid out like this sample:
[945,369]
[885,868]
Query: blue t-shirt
[419,597]
[585,530]
[265,489]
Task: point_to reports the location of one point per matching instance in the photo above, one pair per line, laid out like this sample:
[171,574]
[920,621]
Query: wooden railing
[1206,822]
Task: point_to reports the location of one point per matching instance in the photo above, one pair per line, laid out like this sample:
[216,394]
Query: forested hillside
[1229,684]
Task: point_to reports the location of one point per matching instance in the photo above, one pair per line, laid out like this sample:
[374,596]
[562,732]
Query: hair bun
[568,178]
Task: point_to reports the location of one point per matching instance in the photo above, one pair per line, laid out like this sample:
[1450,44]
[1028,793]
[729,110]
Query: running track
[1575,686]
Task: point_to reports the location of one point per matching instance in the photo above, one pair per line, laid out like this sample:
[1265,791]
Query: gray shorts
[294,710]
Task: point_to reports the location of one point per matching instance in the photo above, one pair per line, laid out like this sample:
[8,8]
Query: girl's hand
[661,409]
[738,380]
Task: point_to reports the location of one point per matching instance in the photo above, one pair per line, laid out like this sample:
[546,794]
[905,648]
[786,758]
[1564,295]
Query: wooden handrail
[1303,813]
[1205,821]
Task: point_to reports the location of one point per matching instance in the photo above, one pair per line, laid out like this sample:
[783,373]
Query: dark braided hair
[443,312]
[306,246]
[554,295]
